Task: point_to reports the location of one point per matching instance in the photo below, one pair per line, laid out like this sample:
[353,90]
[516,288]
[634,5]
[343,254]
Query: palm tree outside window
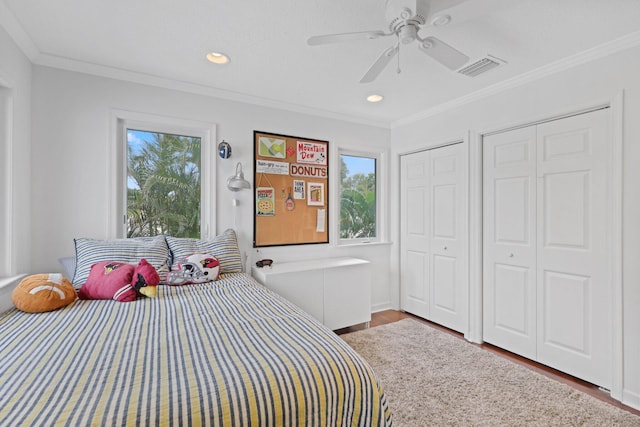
[163,184]
[358,197]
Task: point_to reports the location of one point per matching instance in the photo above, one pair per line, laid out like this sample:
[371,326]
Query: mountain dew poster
[311,152]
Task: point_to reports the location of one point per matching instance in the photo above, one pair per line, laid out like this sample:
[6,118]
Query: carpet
[432,378]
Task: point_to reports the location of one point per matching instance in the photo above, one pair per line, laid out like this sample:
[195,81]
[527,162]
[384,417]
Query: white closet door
[448,281]
[414,229]
[546,287]
[509,241]
[433,236]
[574,297]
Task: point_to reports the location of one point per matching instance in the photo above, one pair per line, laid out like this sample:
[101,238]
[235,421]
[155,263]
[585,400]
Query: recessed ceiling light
[375,98]
[440,20]
[217,58]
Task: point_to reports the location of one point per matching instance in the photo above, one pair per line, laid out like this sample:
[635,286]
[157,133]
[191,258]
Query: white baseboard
[632,399]
[381,307]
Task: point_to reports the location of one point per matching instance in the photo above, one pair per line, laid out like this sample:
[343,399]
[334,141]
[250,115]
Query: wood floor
[390,316]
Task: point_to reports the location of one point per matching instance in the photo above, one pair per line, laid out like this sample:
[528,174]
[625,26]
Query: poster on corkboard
[291,179]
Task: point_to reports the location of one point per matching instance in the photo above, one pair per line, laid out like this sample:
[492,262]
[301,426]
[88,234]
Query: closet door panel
[414,246]
[574,316]
[512,299]
[444,288]
[512,210]
[416,293]
[509,241]
[448,258]
[566,302]
[566,196]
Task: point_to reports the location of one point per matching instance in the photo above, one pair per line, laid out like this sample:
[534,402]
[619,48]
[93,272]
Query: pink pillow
[109,280]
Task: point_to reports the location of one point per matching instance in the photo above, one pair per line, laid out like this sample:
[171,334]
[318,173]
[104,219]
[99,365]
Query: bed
[229,352]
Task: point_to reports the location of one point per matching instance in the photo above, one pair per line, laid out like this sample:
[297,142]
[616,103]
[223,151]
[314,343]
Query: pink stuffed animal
[120,281]
[145,279]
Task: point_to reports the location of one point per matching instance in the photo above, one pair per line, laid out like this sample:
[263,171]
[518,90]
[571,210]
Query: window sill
[11,280]
[7,285]
[351,244]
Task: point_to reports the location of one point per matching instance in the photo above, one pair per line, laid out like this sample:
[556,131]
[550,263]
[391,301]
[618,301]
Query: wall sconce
[237,182]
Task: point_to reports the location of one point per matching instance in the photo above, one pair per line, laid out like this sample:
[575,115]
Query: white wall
[586,85]
[15,163]
[71,138]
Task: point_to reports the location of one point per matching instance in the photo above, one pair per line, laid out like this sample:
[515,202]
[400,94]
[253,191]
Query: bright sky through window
[361,165]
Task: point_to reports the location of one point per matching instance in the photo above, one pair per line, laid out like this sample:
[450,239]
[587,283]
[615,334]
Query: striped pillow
[224,247]
[90,251]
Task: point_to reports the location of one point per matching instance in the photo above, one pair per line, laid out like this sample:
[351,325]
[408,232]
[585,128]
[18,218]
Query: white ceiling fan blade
[443,53]
[345,37]
[379,65]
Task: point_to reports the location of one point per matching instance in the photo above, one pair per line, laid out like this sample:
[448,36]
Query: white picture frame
[315,194]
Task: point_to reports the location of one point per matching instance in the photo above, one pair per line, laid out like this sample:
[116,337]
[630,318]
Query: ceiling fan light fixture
[375,98]
[408,34]
[218,58]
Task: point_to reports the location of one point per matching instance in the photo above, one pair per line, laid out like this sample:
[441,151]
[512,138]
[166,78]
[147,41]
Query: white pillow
[68,266]
[90,251]
[224,247]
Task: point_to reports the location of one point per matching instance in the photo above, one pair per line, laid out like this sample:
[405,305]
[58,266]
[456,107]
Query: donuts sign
[311,153]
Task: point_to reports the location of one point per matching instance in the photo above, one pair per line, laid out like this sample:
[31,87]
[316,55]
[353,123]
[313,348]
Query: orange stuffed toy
[43,292]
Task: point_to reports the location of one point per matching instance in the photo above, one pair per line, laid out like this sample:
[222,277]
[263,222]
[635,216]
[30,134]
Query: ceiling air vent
[480,66]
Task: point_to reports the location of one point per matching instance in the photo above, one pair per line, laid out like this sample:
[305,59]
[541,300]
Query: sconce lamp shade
[237,182]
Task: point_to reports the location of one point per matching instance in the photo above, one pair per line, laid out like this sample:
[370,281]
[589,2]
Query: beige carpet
[432,379]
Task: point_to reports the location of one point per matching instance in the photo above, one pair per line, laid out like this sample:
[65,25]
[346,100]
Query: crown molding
[52,61]
[11,25]
[603,50]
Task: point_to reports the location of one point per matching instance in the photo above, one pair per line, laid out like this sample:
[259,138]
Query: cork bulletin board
[291,180]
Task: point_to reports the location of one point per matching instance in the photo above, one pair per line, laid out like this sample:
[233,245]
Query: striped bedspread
[230,353]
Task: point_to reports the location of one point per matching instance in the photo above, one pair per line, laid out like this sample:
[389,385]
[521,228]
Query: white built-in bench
[336,291]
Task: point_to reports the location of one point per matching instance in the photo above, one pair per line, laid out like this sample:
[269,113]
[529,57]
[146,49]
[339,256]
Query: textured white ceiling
[272,64]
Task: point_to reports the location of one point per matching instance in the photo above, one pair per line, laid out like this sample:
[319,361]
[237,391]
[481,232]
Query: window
[359,197]
[163,182]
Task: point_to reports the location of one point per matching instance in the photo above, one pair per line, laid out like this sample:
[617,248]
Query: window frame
[381,167]
[7,244]
[124,120]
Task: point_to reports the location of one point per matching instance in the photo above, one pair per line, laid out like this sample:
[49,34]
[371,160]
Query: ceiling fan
[405,18]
